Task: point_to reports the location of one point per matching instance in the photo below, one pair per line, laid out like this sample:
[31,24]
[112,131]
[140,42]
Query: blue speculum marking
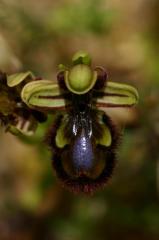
[82,154]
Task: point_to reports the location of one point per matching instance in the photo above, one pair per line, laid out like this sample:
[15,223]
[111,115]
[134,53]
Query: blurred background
[123,37]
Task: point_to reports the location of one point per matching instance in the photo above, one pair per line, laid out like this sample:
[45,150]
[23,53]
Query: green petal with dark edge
[116,95]
[43,94]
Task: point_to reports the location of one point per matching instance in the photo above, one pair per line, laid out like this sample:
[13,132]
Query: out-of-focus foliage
[123,36]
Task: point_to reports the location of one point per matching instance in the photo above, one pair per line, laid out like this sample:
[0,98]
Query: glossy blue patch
[82,154]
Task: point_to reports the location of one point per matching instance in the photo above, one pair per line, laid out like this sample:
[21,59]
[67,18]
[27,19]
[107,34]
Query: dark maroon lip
[84,184]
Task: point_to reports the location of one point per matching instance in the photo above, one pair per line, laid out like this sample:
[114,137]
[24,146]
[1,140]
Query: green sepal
[80,79]
[43,94]
[15,79]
